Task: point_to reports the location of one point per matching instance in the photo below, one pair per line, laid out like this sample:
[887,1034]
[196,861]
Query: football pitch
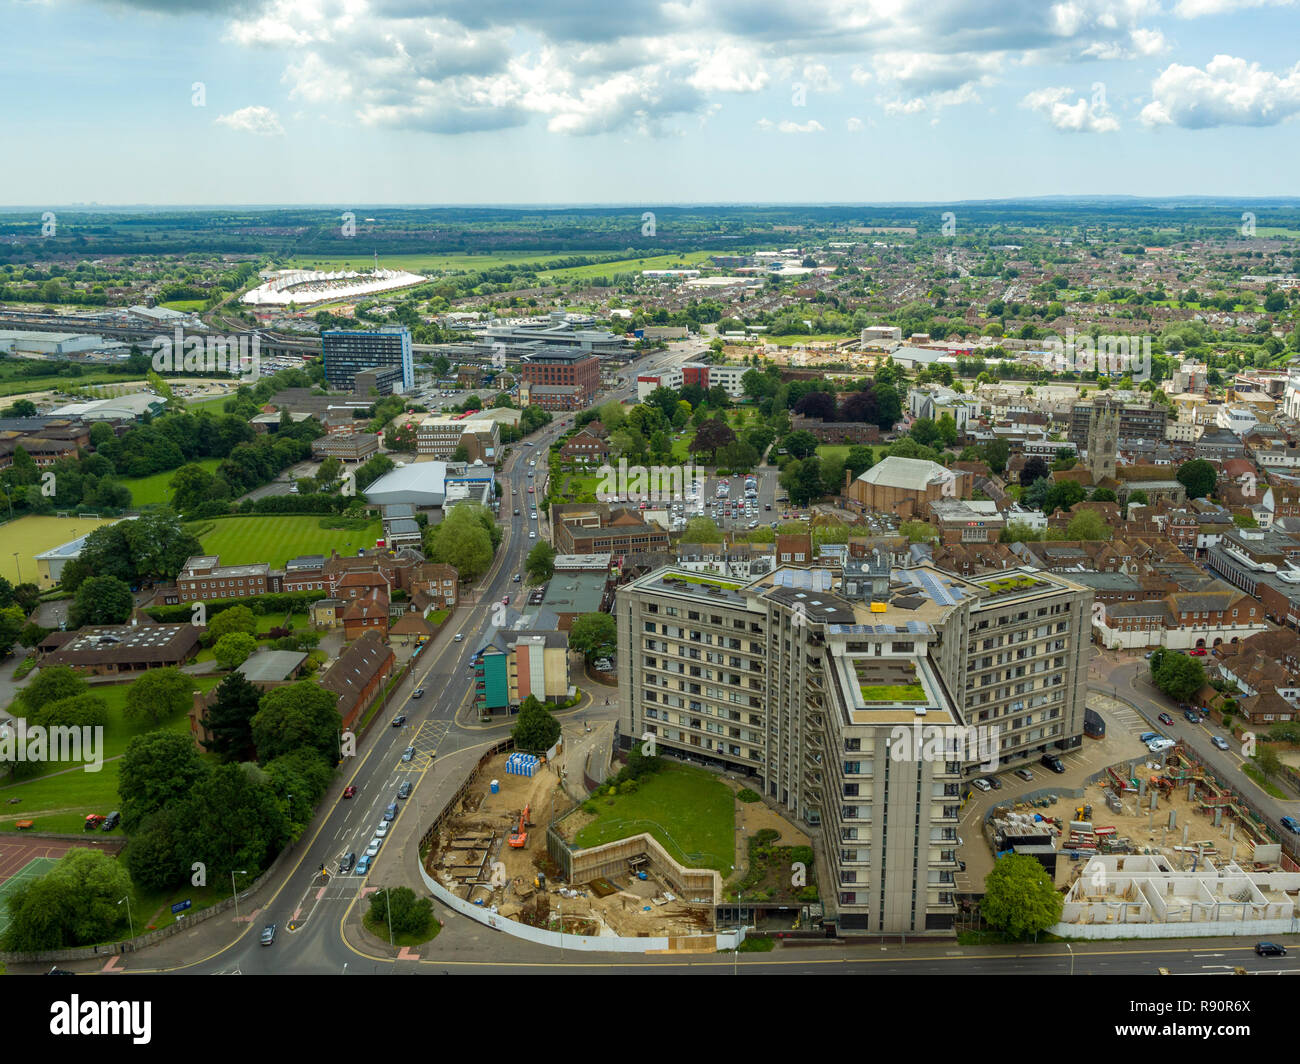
[276,539]
[30,536]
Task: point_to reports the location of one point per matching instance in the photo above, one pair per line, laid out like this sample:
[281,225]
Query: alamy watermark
[651,484]
[946,742]
[236,355]
[58,743]
[1112,355]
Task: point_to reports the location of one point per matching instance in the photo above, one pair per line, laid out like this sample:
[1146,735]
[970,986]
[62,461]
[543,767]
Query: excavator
[519,837]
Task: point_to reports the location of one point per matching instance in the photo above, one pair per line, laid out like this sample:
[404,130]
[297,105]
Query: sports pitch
[274,539]
[30,536]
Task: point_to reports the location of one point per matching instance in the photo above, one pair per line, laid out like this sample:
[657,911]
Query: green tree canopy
[74,904]
[157,768]
[1020,897]
[159,695]
[1198,477]
[591,632]
[235,619]
[297,716]
[231,651]
[536,729]
[101,600]
[229,719]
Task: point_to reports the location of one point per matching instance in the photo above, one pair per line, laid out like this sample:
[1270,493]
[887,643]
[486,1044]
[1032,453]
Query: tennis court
[33,869]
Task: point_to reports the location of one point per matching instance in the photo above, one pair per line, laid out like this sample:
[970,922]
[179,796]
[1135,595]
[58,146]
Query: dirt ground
[1148,832]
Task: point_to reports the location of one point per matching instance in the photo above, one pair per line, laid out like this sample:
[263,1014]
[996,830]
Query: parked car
[112,820]
[1147,736]
[349,859]
[404,791]
[349,791]
[1198,652]
[993,782]
[268,934]
[382,830]
[1158,746]
[1269,949]
[1165,718]
[373,849]
[1191,716]
[363,865]
[1220,742]
[1291,824]
[1053,762]
[399,720]
[981,784]
[1024,774]
[390,811]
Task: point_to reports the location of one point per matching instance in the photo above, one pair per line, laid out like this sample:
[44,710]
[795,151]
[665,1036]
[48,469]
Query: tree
[1198,477]
[461,541]
[803,480]
[540,563]
[919,532]
[537,729]
[801,444]
[1035,468]
[235,619]
[401,912]
[74,904]
[1019,532]
[1062,494]
[51,684]
[101,600]
[711,435]
[1087,524]
[231,651]
[229,719]
[232,822]
[1268,761]
[591,632]
[12,623]
[297,716]
[702,530]
[1177,675]
[79,711]
[1020,897]
[859,459]
[159,695]
[1103,495]
[156,768]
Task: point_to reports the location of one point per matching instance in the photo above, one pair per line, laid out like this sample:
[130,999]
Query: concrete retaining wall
[1209,929]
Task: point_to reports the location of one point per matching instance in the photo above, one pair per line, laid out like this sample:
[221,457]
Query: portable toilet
[495,786]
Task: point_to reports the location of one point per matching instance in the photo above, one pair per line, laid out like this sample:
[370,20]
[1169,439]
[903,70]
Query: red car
[349,792]
[1199,652]
[1165,718]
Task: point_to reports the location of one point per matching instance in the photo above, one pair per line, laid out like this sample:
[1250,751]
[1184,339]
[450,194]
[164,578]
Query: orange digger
[519,837]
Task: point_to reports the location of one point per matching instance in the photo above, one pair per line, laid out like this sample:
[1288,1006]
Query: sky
[174,102]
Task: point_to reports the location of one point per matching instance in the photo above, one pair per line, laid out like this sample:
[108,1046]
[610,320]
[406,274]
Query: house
[584,446]
[366,613]
[111,650]
[359,675]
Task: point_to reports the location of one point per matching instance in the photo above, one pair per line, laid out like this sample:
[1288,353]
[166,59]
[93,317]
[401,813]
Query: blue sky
[645,101]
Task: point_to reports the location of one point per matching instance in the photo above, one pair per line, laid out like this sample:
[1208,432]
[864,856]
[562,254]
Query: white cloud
[1201,8]
[765,125]
[1081,116]
[1228,92]
[855,125]
[259,120]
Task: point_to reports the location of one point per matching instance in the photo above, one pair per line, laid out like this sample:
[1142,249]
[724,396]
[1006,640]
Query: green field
[30,536]
[186,306]
[155,490]
[816,338]
[682,261]
[435,262]
[274,539]
[689,811]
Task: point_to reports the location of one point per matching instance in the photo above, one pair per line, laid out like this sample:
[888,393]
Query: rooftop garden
[1011,583]
[707,581]
[893,681]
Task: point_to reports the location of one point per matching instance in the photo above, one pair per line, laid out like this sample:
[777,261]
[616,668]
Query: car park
[1165,718]
[993,782]
[268,934]
[404,791]
[981,784]
[1220,742]
[1024,774]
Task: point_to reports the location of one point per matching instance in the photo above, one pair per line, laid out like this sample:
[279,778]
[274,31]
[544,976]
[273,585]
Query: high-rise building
[349,352]
[859,715]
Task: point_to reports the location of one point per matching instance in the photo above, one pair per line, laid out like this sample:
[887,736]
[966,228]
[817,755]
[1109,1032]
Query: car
[516,513]
[268,934]
[514,491]
[506,601]
[404,791]
[1291,824]
[349,791]
[1053,762]
[418,693]
[1191,716]
[382,830]
[1198,652]
[1269,949]
[1159,746]
[373,849]
[1024,774]
[1220,742]
[349,859]
[1147,736]
[517,577]
[111,821]
[1165,718]
[532,534]
[458,637]
[981,784]
[408,753]
[399,720]
[363,865]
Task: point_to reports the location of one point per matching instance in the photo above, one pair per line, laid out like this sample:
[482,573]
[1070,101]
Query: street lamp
[129,918]
[1071,952]
[20,567]
[235,892]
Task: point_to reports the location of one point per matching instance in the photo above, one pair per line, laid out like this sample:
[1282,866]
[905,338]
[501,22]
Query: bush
[748,796]
[629,787]
[590,807]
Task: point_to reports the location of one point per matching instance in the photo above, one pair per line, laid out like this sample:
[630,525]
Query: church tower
[1103,442]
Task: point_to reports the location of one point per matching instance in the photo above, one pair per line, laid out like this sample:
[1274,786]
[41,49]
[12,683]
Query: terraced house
[833,695]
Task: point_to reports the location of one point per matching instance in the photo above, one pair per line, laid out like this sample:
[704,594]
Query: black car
[111,821]
[1192,716]
[994,782]
[1053,762]
[349,859]
[1269,949]
[399,720]
[404,791]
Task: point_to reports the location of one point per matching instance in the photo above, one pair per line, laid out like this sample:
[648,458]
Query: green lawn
[688,810]
[186,306]
[817,338]
[155,490]
[30,536]
[434,262]
[896,692]
[59,800]
[276,539]
[684,260]
[834,450]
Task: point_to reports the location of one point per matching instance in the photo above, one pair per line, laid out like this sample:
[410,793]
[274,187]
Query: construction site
[1138,841]
[490,849]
